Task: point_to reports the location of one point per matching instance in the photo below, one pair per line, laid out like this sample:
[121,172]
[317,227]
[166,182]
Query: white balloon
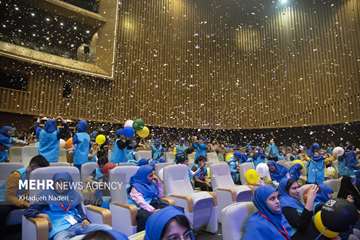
[129,123]
[338,151]
[62,143]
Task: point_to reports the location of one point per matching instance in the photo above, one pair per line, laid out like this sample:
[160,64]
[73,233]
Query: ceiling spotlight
[283,1]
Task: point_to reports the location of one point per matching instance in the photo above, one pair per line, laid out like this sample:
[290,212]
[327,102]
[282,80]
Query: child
[200,147]
[118,148]
[234,166]
[81,141]
[316,166]
[200,176]
[145,192]
[49,138]
[181,147]
[67,217]
[157,150]
[6,142]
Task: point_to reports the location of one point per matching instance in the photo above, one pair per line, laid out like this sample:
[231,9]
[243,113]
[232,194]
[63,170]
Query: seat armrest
[132,209]
[213,194]
[42,226]
[232,193]
[168,200]
[103,212]
[187,199]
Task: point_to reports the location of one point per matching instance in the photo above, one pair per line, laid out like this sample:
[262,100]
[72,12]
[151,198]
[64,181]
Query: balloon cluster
[134,126]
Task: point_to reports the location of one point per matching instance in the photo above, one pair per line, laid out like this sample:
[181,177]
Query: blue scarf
[279,173]
[286,200]
[50,126]
[142,184]
[294,171]
[82,126]
[323,195]
[259,200]
[155,225]
[5,138]
[312,149]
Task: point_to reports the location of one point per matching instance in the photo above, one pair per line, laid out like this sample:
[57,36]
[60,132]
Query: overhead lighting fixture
[283,2]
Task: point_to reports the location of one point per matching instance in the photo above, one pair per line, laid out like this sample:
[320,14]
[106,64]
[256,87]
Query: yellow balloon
[174,151]
[229,156]
[143,133]
[252,177]
[100,139]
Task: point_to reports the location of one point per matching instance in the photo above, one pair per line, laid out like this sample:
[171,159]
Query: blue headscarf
[72,195]
[117,235]
[295,171]
[82,126]
[312,149]
[155,225]
[323,195]
[279,173]
[350,157]
[50,126]
[142,184]
[259,200]
[5,138]
[143,162]
[241,156]
[285,199]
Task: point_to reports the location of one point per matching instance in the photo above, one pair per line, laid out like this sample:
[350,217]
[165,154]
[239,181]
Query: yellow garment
[11,191]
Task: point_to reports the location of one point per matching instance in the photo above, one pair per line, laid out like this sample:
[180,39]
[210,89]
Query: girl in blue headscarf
[145,192]
[6,142]
[273,151]
[157,151]
[49,139]
[200,148]
[268,222]
[316,166]
[168,223]
[64,210]
[277,172]
[259,156]
[81,141]
[348,162]
[323,195]
[118,148]
[295,171]
[293,209]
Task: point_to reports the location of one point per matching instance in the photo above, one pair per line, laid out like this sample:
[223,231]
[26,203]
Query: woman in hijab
[268,222]
[81,141]
[323,195]
[349,189]
[168,223]
[295,171]
[293,209]
[64,210]
[6,141]
[49,139]
[145,192]
[316,166]
[277,172]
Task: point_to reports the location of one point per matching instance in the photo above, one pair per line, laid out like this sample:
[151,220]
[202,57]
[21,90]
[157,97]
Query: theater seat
[124,214]
[334,184]
[143,154]
[87,169]
[234,218]
[242,170]
[226,191]
[38,228]
[170,157]
[57,164]
[199,207]
[212,157]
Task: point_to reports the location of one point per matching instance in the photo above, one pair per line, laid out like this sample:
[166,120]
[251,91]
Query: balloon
[138,124]
[69,143]
[252,177]
[62,143]
[338,151]
[128,132]
[229,156]
[330,172]
[143,133]
[129,123]
[100,139]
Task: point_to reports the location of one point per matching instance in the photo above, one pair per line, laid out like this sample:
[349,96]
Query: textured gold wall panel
[216,64]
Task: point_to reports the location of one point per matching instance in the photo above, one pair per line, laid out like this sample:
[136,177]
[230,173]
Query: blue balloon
[129,132]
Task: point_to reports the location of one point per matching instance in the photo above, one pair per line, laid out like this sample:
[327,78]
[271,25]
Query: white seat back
[122,175]
[87,169]
[142,154]
[212,157]
[234,218]
[176,180]
[242,170]
[334,184]
[221,176]
[170,157]
[57,164]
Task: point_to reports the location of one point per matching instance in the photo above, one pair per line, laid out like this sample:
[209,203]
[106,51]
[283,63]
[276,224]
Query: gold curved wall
[216,64]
